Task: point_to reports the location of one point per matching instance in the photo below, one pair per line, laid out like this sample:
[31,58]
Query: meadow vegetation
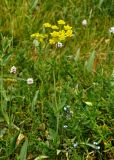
[57,80]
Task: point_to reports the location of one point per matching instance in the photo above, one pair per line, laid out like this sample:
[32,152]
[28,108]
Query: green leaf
[112,74]
[58,151]
[34,5]
[3,91]
[12,144]
[89,103]
[61,103]
[90,62]
[100,3]
[77,55]
[41,157]
[35,100]
[92,145]
[6,117]
[36,43]
[5,58]
[6,43]
[23,152]
[112,78]
[2,132]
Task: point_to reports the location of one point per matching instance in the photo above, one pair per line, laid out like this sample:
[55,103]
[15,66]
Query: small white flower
[75,145]
[95,143]
[13,70]
[98,147]
[59,45]
[30,81]
[111,30]
[65,109]
[84,22]
[65,126]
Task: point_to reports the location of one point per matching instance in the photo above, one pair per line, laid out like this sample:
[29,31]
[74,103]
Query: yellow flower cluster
[54,27]
[39,36]
[56,33]
[47,25]
[61,22]
[61,35]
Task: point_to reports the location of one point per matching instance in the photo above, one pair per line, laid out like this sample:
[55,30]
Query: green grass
[36,121]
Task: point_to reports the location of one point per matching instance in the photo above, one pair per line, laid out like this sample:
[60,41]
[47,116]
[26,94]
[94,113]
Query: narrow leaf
[12,144]
[90,62]
[35,100]
[6,117]
[92,145]
[58,151]
[41,157]
[23,152]
[77,55]
[89,103]
[3,92]
[5,59]
[34,4]
[100,3]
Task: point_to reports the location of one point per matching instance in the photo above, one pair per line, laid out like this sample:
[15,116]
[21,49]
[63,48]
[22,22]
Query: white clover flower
[59,45]
[13,70]
[84,22]
[65,126]
[30,81]
[111,30]
[65,109]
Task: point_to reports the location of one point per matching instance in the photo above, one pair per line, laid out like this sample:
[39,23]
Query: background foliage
[68,112]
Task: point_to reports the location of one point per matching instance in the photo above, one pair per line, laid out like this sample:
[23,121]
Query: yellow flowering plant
[61,22]
[39,37]
[47,25]
[54,33]
[55,27]
[67,27]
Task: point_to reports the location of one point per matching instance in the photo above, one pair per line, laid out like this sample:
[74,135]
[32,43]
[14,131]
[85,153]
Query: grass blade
[23,152]
[100,3]
[12,144]
[35,100]
[41,157]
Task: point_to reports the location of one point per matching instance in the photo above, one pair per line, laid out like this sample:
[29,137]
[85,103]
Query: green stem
[56,105]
